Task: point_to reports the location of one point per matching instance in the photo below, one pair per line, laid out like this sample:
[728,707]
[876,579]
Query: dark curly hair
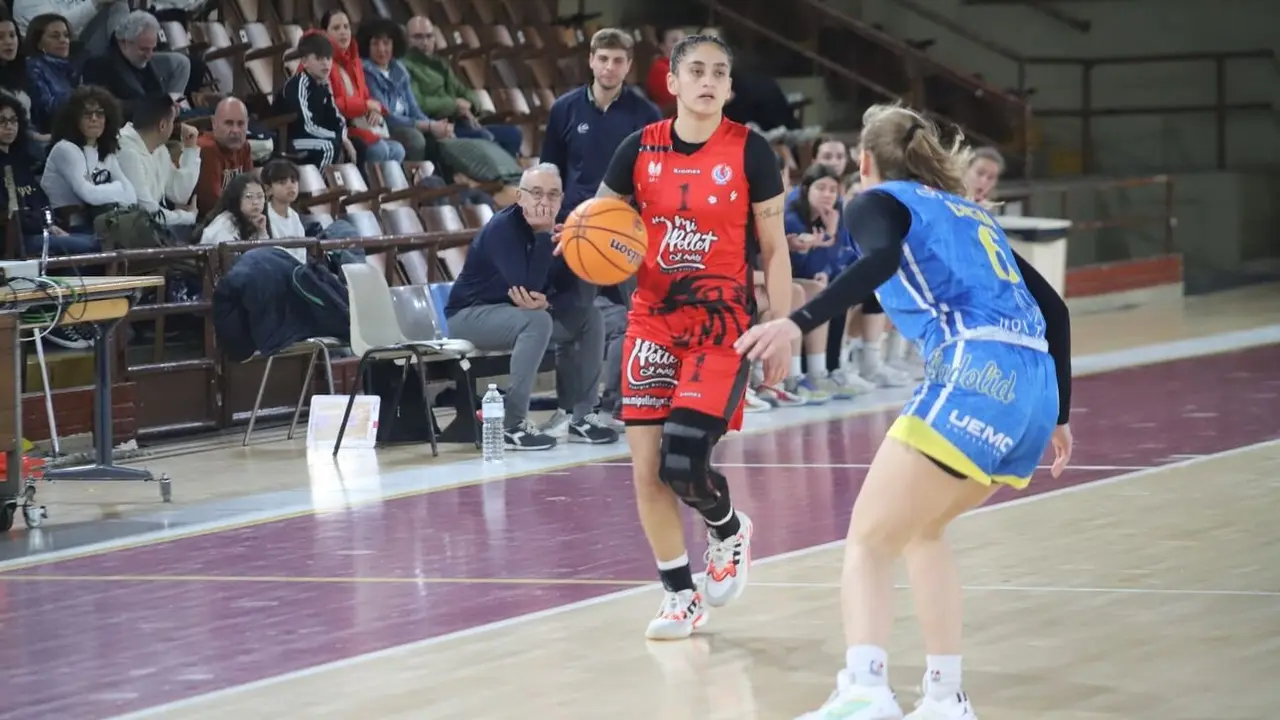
[66,122]
[380,27]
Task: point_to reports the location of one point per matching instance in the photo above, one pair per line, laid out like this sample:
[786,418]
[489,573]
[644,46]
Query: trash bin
[1041,242]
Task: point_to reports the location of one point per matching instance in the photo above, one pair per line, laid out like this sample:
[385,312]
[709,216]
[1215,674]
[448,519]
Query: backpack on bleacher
[132,228]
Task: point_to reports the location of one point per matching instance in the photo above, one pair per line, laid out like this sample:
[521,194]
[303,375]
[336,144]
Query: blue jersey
[957,276]
[989,401]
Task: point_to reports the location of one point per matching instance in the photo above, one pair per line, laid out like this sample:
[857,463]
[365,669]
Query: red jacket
[353,104]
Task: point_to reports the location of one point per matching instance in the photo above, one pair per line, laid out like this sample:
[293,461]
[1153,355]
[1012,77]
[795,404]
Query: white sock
[796,370]
[868,664]
[850,353]
[673,564]
[817,364]
[942,676]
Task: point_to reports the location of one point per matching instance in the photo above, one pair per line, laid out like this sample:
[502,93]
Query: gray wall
[1123,27]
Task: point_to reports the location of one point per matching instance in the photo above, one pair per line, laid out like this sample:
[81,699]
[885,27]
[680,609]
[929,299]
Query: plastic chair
[313,346]
[376,335]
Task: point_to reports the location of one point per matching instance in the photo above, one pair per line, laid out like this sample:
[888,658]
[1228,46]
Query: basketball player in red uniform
[704,186]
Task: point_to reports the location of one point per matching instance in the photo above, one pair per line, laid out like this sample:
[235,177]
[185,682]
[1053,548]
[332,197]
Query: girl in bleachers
[83,168]
[820,249]
[280,179]
[366,117]
[240,214]
[985,166]
[50,74]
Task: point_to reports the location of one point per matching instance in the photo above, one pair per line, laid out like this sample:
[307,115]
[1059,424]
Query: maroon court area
[90,648]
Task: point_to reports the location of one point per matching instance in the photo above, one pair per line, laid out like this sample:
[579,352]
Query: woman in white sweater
[83,167]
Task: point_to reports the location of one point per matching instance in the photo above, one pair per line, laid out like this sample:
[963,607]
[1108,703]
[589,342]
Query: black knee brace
[685,457]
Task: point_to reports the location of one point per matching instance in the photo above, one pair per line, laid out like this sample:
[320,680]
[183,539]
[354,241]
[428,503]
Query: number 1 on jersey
[1000,262]
[684,198]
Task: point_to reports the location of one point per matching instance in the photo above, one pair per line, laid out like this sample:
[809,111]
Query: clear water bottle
[491,412]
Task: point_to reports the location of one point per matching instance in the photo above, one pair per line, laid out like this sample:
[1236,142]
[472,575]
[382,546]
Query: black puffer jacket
[268,301]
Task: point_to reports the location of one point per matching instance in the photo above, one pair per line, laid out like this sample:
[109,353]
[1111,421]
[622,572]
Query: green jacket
[434,85]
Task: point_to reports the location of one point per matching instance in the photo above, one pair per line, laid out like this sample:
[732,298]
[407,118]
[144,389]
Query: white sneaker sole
[675,631]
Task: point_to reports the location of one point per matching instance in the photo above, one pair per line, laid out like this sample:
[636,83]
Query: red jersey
[696,208]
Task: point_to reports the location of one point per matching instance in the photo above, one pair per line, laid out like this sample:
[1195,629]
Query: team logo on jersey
[684,248]
[583,129]
[722,174]
[655,169]
[651,365]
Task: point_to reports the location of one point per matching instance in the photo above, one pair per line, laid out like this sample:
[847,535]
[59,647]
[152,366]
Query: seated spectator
[240,214]
[655,84]
[366,117]
[88,22]
[820,250]
[224,152]
[33,213]
[503,300]
[280,179]
[442,96]
[22,184]
[83,168]
[132,70]
[985,166]
[318,132]
[163,190]
[13,65]
[50,75]
[382,42]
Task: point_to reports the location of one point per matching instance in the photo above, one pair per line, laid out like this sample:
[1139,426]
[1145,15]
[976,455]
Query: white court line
[412,481]
[391,652]
[865,466]
[1044,589]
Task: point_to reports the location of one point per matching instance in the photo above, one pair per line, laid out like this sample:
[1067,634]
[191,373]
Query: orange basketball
[604,241]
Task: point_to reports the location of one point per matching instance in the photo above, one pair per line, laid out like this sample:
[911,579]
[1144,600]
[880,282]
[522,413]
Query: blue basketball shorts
[986,409]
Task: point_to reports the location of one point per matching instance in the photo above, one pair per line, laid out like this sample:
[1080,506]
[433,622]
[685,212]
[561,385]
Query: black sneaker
[592,431]
[525,437]
[70,337]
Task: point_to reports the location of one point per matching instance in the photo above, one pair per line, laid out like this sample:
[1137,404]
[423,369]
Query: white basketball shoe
[857,702]
[728,562]
[954,707]
[679,615]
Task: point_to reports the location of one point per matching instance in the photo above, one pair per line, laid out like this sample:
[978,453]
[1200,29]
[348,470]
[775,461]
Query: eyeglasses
[8,121]
[252,197]
[94,114]
[539,194]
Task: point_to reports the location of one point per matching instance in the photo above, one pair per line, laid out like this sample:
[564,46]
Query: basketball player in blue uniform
[996,395]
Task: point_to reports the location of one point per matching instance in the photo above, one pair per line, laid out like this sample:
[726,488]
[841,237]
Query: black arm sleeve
[1057,330]
[621,175]
[880,223]
[761,166]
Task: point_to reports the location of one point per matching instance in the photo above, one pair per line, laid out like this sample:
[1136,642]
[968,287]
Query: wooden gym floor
[1142,584]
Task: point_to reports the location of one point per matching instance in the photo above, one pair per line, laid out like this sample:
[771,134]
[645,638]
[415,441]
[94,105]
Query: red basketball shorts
[660,373]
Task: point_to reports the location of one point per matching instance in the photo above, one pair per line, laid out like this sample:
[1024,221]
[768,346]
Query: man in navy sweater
[585,125]
[506,299]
